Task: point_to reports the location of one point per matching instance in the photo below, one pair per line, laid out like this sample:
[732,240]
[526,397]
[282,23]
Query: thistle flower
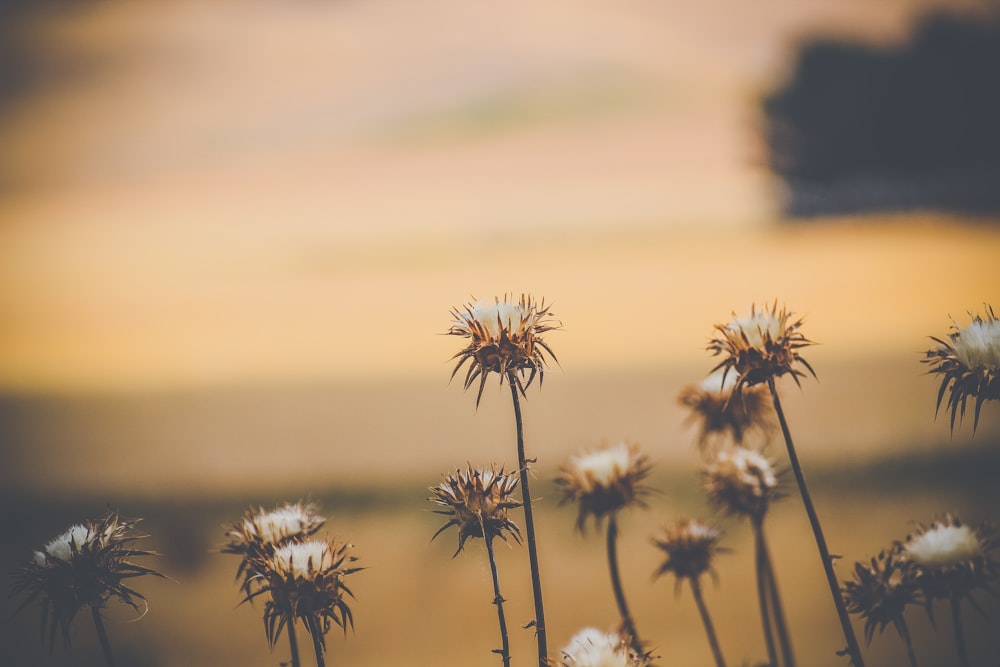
[968,361]
[759,347]
[741,482]
[719,416]
[505,338]
[949,559]
[477,501]
[84,567]
[604,480]
[879,593]
[690,545]
[305,581]
[592,648]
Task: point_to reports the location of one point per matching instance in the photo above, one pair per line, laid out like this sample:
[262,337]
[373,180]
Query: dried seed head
[690,545]
[477,500]
[592,648]
[741,482]
[759,347]
[305,580]
[719,417]
[604,480]
[969,364]
[880,591]
[84,567]
[505,337]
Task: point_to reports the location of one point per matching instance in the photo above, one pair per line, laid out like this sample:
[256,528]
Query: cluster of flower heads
[968,361]
[84,567]
[591,647]
[505,337]
[604,480]
[478,500]
[303,575]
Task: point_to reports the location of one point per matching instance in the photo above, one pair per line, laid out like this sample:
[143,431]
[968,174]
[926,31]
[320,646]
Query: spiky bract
[880,591]
[505,337]
[604,480]
[592,648]
[690,546]
[968,361]
[84,567]
[741,482]
[477,500]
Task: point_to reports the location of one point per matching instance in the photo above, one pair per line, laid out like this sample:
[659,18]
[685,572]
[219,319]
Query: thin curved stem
[956,619]
[853,648]
[529,526]
[904,632]
[763,573]
[713,641]
[780,626]
[628,625]
[498,601]
[318,648]
[102,636]
[293,643]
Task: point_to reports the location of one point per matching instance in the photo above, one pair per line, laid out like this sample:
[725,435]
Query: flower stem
[529,525]
[293,643]
[318,648]
[956,619]
[102,636]
[707,620]
[904,632]
[853,648]
[498,601]
[760,561]
[628,625]
[780,626]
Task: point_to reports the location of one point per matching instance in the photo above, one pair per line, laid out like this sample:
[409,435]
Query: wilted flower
[505,338]
[759,347]
[305,580]
[84,567]
[690,545]
[260,532]
[604,480]
[879,593]
[477,501]
[592,648]
[741,482]
[969,364]
[719,416]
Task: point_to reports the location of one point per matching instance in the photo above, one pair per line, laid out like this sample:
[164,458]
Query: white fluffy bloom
[304,559]
[978,345]
[944,545]
[67,544]
[719,382]
[278,525]
[592,648]
[605,466]
[759,326]
[497,316]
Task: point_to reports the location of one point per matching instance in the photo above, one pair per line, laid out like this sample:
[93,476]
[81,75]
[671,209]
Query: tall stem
[318,647]
[628,625]
[102,636]
[498,601]
[760,561]
[707,620]
[904,632]
[529,526]
[853,648]
[780,626]
[956,619]
[293,643]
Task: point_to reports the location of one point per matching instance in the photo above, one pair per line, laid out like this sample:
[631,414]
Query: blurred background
[231,234]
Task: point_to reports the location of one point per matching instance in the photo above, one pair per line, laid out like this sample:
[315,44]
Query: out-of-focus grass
[418,606]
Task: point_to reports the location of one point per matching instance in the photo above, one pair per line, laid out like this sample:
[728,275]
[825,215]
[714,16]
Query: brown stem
[956,619]
[780,626]
[713,641]
[853,648]
[498,601]
[760,561]
[293,643]
[102,636]
[529,526]
[904,632]
[318,648]
[628,625]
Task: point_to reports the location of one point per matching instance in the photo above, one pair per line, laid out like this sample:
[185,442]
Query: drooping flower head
[84,567]
[741,482]
[949,559]
[305,581]
[880,591]
[477,500]
[592,648]
[719,417]
[505,337]
[262,531]
[690,545]
[604,480]
[968,361]
[763,345]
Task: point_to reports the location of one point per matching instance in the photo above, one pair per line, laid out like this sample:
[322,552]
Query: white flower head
[303,560]
[592,648]
[741,482]
[284,523]
[604,480]
[944,545]
[978,345]
[69,543]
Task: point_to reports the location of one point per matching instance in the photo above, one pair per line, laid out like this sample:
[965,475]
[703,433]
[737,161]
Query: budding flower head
[305,581]
[719,416]
[477,500]
[690,545]
[762,346]
[880,591]
[84,567]
[505,337]
[741,482]
[968,361]
[592,648]
[604,480]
